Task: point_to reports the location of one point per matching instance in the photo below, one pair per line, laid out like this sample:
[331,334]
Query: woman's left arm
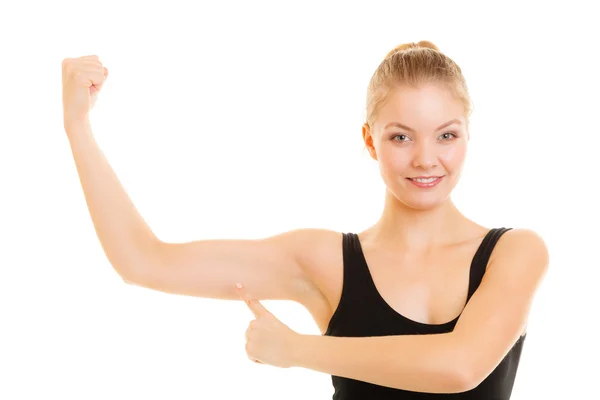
[458,361]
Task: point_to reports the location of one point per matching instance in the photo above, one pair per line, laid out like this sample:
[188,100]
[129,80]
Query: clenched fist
[82,79]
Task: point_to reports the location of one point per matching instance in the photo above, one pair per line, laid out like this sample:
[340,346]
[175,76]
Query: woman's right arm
[270,268]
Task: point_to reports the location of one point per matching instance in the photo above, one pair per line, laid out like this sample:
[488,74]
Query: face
[419,132]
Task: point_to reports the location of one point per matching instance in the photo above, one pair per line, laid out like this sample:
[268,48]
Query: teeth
[428,180]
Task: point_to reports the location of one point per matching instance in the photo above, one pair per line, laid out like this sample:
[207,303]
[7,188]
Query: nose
[424,156]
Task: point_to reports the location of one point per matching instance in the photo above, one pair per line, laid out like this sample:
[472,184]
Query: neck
[418,230]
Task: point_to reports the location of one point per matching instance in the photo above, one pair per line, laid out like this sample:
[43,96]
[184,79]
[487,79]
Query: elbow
[132,277]
[135,268]
[454,377]
[127,280]
[466,373]
[127,273]
[466,377]
[463,381]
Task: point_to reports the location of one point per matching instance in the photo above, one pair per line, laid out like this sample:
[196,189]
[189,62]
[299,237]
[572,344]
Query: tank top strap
[356,272]
[356,289]
[481,258]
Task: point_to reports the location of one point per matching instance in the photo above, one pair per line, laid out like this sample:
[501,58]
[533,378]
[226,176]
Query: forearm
[122,232]
[421,363]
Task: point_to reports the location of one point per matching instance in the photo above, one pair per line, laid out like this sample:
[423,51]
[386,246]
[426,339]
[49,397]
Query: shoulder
[311,248]
[521,241]
[315,246]
[521,251]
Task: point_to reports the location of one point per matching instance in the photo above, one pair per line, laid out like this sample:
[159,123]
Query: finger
[98,86]
[251,358]
[247,334]
[254,305]
[255,360]
[88,78]
[92,66]
[89,63]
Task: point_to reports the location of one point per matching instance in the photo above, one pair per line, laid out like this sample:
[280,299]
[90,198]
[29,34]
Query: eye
[398,136]
[450,133]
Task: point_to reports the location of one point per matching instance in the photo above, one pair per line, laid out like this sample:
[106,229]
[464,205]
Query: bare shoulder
[315,246]
[317,250]
[519,249]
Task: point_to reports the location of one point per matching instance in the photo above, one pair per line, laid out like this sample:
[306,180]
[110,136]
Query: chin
[422,201]
[422,205]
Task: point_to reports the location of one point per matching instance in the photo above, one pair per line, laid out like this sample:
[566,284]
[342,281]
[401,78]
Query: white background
[241,120]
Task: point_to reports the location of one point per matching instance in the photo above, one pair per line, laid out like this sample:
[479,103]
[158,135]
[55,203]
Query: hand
[268,340]
[82,79]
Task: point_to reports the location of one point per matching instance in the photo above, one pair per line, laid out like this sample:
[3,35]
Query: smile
[425,182]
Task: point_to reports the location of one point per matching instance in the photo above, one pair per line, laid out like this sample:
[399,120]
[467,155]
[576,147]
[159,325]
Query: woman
[425,303]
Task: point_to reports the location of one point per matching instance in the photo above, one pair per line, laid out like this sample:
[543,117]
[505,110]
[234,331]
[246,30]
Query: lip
[425,185]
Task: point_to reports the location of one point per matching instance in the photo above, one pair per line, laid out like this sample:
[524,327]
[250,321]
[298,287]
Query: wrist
[75,126]
[299,346]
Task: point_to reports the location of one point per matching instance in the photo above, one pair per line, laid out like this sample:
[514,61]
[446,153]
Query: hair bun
[413,45]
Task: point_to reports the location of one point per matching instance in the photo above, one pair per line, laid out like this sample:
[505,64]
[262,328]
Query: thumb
[95,88]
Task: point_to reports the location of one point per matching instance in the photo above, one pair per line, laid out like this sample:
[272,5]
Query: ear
[368,139]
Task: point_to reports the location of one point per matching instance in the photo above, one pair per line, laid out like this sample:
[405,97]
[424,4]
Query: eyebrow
[399,125]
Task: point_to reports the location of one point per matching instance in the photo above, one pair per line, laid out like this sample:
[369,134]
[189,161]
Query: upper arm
[270,268]
[497,313]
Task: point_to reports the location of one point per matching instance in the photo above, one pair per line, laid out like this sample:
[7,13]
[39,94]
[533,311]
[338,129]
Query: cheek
[392,159]
[453,156]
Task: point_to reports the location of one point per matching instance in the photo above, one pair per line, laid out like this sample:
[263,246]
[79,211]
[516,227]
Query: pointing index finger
[254,305]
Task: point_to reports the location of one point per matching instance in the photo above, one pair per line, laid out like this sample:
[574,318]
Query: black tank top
[363,312]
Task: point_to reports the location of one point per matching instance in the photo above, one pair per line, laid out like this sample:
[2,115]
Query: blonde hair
[412,65]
